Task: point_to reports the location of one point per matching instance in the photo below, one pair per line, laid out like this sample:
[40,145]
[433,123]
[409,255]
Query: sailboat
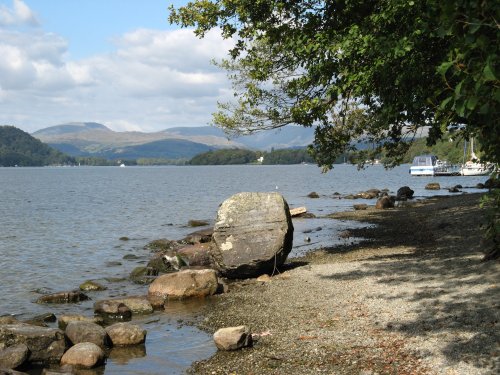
[472,167]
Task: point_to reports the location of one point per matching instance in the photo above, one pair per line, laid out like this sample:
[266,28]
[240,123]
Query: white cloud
[153,80]
[20,14]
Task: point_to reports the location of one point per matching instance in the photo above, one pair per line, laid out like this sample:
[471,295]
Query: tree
[381,70]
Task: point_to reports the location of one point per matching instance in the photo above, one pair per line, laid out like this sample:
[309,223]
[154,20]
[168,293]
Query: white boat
[430,165]
[473,167]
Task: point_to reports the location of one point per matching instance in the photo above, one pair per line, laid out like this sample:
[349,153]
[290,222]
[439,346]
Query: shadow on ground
[453,293]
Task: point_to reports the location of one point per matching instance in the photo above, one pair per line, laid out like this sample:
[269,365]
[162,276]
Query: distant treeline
[241,156]
[18,148]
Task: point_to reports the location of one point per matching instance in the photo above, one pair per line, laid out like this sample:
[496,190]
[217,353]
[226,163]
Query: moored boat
[430,165]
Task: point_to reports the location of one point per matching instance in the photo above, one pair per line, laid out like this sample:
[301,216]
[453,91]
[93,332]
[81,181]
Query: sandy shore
[413,298]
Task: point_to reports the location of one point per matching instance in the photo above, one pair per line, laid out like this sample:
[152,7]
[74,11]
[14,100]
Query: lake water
[62,226]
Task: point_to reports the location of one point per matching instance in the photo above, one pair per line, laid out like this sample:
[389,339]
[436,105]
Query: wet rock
[253,235]
[143,275]
[65,370]
[79,331]
[7,319]
[185,284]
[233,338]
[480,186]
[313,195]
[454,189]
[360,207]
[198,223]
[384,203]
[13,356]
[63,297]
[369,194]
[126,334]
[136,304]
[45,344]
[197,255]
[200,236]
[433,186]
[112,310]
[113,263]
[157,302]
[91,286]
[404,193]
[64,320]
[85,354]
[160,264]
[164,245]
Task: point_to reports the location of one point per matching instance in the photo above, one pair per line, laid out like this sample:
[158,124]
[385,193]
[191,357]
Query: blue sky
[117,62]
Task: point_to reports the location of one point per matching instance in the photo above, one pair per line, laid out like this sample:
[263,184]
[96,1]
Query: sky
[115,62]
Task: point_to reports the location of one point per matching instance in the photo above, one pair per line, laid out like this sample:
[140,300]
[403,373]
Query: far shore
[414,297]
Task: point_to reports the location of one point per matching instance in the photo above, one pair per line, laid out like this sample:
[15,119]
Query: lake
[62,226]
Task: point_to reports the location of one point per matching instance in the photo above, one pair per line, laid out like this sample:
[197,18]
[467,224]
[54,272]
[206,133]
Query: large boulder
[253,235]
[80,331]
[136,304]
[185,284]
[45,345]
[384,203]
[126,334]
[84,355]
[197,255]
[112,310]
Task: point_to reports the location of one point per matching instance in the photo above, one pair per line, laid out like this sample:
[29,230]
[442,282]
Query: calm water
[62,226]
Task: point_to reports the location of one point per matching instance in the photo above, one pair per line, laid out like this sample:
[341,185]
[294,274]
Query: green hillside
[19,148]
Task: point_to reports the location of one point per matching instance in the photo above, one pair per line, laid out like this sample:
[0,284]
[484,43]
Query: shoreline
[413,297]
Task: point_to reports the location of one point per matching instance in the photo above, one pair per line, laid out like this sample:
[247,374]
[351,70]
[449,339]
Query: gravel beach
[413,297]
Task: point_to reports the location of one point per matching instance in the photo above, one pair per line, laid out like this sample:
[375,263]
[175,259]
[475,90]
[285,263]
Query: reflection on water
[122,355]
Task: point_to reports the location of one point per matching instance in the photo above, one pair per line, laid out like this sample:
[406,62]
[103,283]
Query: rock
[480,186]
[163,245]
[157,302]
[64,320]
[143,275]
[360,207]
[45,344]
[454,189]
[313,195]
[197,255]
[198,223]
[369,194]
[91,286]
[492,183]
[112,310]
[433,186]
[297,211]
[160,264]
[79,331]
[200,236]
[65,370]
[63,297]
[85,354]
[404,193]
[253,235]
[265,278]
[5,371]
[185,284]
[233,338]
[126,334]
[13,356]
[7,319]
[384,203]
[136,304]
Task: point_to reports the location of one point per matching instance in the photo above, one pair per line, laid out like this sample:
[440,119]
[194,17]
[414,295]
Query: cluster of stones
[253,235]
[79,342]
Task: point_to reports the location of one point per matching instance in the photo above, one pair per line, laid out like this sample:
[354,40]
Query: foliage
[374,69]
[239,156]
[224,157]
[287,156]
[380,70]
[19,148]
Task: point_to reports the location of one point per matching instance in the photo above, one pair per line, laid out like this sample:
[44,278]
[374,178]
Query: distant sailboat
[472,167]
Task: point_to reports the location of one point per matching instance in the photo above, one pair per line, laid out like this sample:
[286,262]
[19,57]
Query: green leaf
[488,72]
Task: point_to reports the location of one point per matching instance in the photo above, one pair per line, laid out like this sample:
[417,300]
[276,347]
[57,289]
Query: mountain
[93,139]
[18,148]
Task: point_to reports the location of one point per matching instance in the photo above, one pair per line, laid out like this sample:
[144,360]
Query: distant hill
[93,139]
[18,148]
